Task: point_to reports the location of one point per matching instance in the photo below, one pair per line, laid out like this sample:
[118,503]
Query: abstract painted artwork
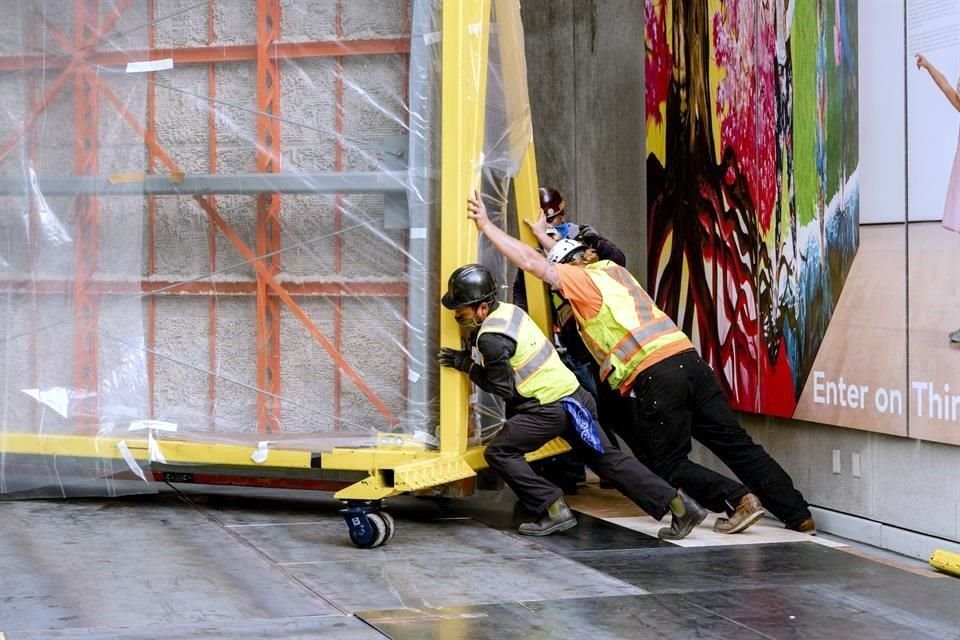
[752,170]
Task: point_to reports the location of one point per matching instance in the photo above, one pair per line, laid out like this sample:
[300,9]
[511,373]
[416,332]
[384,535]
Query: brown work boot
[748,511]
[808,526]
[558,517]
[686,514]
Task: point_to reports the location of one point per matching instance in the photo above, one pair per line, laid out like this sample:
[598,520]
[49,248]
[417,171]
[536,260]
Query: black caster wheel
[391,525]
[368,526]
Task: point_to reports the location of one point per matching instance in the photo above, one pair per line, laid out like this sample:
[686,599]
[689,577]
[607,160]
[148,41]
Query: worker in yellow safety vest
[544,401]
[667,393]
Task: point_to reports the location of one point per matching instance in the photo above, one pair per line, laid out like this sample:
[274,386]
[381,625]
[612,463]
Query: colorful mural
[752,118]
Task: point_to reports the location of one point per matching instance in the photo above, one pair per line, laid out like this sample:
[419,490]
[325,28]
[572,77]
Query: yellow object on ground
[946,561]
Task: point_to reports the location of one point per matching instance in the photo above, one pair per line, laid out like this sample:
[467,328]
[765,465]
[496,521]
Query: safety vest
[563,313]
[537,370]
[629,327]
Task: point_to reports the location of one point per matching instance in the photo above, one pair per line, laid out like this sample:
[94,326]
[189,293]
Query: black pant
[680,398]
[531,429]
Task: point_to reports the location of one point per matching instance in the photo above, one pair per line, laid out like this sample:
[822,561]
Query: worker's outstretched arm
[521,255]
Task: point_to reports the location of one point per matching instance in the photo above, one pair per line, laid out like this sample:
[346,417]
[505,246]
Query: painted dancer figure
[544,401]
[951,208]
[669,393]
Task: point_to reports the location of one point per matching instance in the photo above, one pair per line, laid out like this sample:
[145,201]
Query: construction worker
[567,470]
[669,392]
[554,212]
[544,401]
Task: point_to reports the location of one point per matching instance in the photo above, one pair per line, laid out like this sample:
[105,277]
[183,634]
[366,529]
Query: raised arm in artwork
[949,91]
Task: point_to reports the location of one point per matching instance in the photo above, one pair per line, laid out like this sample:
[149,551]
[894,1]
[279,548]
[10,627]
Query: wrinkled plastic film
[508,132]
[60,250]
[190,255]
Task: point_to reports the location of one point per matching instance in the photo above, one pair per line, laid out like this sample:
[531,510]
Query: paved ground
[279,564]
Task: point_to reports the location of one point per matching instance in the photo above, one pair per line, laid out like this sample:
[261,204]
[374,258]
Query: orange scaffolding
[77,65]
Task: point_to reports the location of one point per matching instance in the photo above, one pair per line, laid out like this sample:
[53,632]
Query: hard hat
[469,284]
[551,202]
[565,251]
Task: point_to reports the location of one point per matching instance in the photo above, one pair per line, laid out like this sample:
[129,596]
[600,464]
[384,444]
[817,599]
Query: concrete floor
[223,563]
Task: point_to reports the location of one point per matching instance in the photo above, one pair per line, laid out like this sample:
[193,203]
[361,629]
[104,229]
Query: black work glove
[456,359]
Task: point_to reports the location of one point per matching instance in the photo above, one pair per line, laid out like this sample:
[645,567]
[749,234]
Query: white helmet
[565,250]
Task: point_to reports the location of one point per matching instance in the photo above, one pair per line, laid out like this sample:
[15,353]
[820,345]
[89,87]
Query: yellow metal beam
[466,29]
[425,474]
[516,95]
[474,455]
[370,459]
[528,208]
[370,488]
[173,451]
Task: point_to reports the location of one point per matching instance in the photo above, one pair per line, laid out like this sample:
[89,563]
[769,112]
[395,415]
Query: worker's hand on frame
[477,210]
[455,359]
[539,228]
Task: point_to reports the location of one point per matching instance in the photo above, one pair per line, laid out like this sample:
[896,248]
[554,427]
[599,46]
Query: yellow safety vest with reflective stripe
[537,369]
[629,327]
[563,313]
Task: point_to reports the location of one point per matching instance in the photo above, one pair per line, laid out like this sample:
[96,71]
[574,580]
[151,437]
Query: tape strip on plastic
[431,38]
[146,66]
[259,455]
[130,460]
[159,425]
[418,233]
[153,448]
[56,398]
[126,177]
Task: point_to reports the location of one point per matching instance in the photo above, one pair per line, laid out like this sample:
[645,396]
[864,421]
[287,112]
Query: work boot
[686,514]
[807,526]
[558,517]
[748,511]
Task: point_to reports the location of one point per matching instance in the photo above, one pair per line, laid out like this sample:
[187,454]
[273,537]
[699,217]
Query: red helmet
[551,202]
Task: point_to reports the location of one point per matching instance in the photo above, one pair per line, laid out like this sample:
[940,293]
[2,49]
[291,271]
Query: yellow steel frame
[393,470]
[466,28]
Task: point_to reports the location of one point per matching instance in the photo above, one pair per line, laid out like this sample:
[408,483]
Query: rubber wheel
[379,524]
[391,525]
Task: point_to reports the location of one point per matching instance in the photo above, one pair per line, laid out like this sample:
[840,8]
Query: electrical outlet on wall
[836,461]
[855,464]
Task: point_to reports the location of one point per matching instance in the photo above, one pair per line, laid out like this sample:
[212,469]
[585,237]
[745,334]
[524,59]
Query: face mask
[468,323]
[563,229]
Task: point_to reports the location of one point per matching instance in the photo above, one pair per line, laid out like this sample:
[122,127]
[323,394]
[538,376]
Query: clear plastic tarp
[220,223]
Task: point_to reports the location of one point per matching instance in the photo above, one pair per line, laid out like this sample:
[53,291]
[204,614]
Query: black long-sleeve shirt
[496,375]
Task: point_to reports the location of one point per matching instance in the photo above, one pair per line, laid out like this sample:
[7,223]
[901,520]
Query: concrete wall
[909,484]
[585,60]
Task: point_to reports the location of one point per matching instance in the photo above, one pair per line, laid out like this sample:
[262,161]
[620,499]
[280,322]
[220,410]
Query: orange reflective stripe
[623,277]
[595,349]
[639,338]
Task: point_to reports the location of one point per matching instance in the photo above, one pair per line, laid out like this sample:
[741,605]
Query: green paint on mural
[803,48]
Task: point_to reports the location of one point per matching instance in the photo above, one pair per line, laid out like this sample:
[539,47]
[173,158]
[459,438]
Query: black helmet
[470,284]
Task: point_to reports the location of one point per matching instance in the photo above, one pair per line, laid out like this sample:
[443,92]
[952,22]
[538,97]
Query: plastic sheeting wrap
[220,223]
